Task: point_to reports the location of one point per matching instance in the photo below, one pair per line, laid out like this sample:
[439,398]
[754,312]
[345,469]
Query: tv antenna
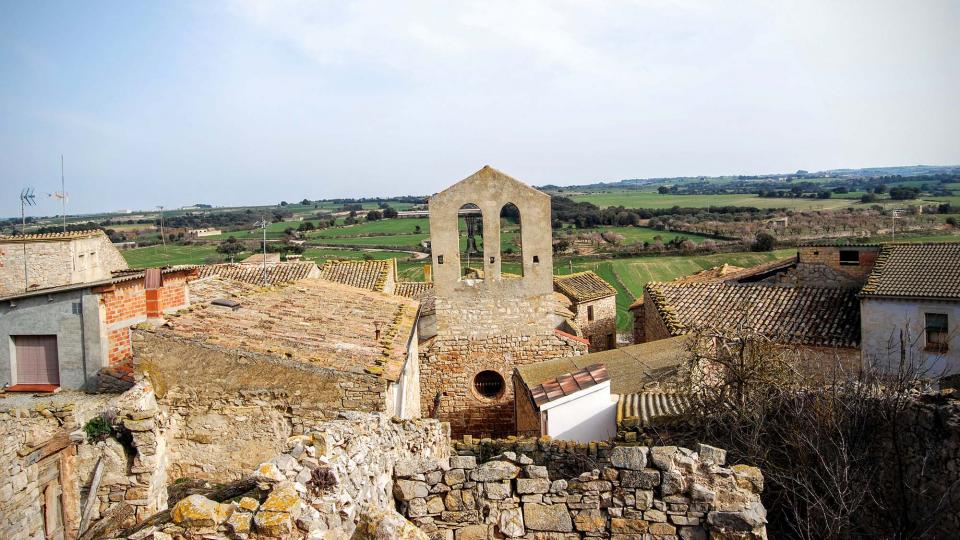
[27,198]
[263,225]
[62,195]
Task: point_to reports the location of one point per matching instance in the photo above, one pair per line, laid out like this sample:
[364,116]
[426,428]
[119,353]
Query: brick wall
[449,366]
[124,301]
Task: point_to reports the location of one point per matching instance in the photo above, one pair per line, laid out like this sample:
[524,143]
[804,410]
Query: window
[439,259]
[937,331]
[470,227]
[36,358]
[511,234]
[589,313]
[849,257]
[488,384]
[536,259]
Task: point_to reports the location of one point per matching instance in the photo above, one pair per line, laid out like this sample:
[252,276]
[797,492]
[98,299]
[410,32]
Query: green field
[634,235]
[157,256]
[383,226]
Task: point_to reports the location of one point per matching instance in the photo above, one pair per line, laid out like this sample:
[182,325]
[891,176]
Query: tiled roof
[312,321]
[647,406]
[51,237]
[370,275]
[929,270]
[207,289]
[253,273]
[631,369]
[729,272]
[800,315]
[569,383]
[257,258]
[413,289]
[583,286]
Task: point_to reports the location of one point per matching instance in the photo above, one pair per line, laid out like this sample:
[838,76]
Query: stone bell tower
[488,321]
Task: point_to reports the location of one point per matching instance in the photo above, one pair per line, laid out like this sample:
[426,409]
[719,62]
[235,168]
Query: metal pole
[23,229]
[63,196]
[264,252]
[163,239]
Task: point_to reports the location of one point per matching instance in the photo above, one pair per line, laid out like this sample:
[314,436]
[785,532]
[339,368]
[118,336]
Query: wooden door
[37,360]
[51,500]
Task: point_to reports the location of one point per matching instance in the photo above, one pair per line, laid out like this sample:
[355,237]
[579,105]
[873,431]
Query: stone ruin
[371,477]
[646,493]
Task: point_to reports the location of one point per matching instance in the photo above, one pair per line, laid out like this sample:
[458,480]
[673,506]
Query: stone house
[63,337]
[262,362]
[594,303]
[629,370]
[487,323]
[56,259]
[911,302]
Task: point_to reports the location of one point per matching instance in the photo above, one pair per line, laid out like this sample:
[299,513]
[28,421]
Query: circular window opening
[488,384]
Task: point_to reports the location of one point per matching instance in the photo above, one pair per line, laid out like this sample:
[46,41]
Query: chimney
[428,273]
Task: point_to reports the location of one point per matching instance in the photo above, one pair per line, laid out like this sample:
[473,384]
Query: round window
[488,384]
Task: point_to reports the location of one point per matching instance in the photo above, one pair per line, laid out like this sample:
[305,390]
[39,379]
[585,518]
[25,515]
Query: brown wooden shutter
[37,360]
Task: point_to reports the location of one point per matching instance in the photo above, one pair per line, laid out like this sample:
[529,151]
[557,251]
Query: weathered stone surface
[662,457]
[463,462]
[269,473]
[643,479]
[632,458]
[378,523]
[532,485]
[454,477]
[547,517]
[239,522]
[197,511]
[748,477]
[511,523]
[628,526]
[672,482]
[590,521]
[406,490]
[536,471]
[497,490]
[744,521]
[712,454]
[473,532]
[493,471]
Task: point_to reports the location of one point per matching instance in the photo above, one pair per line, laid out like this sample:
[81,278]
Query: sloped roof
[648,406]
[413,289]
[312,321]
[258,258]
[483,175]
[583,286]
[631,369]
[569,383]
[253,273]
[799,315]
[370,275]
[52,237]
[928,270]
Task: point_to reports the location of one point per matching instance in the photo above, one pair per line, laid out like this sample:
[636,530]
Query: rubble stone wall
[231,411]
[604,323]
[51,263]
[650,493]
[448,368]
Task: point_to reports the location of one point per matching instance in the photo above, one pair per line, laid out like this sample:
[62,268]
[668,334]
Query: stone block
[712,454]
[406,490]
[628,526]
[547,517]
[642,479]
[532,485]
[536,471]
[590,521]
[511,523]
[463,462]
[493,471]
[633,458]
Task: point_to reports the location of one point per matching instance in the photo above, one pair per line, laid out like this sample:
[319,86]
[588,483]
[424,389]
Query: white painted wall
[882,320]
[587,415]
[403,396]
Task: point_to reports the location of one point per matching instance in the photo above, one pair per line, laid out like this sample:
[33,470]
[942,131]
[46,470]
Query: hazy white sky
[252,102]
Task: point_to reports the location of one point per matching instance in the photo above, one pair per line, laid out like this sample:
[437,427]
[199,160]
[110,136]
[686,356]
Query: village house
[594,307]
[583,407]
[911,302]
[56,259]
[201,233]
[63,337]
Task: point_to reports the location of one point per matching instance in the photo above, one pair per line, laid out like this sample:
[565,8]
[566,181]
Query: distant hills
[905,170]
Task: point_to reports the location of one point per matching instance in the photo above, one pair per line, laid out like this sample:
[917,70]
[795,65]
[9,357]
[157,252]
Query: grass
[156,256]
[643,234]
[383,226]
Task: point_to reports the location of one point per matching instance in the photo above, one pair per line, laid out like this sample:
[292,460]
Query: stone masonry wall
[653,326]
[645,493]
[604,323]
[51,263]
[448,367]
[257,401]
[335,476]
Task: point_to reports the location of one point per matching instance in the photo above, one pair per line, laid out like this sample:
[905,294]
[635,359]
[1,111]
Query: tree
[952,221]
[230,246]
[283,203]
[306,226]
[824,194]
[881,188]
[416,230]
[389,212]
[763,242]
[374,215]
[868,197]
[560,245]
[904,193]
[663,190]
[305,202]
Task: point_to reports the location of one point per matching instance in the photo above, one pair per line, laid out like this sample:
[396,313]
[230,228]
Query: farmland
[651,199]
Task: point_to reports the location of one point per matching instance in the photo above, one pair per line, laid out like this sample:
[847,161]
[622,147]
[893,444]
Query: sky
[245,102]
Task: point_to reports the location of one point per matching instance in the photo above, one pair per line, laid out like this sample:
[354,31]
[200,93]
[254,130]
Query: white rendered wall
[882,320]
[588,415]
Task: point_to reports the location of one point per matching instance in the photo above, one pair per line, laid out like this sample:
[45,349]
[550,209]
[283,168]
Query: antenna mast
[63,196]
[26,199]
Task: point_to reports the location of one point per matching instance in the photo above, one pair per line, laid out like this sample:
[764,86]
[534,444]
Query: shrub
[97,428]
[763,242]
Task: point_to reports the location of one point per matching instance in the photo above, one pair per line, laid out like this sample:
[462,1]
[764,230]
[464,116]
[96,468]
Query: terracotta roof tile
[649,406]
[57,236]
[929,270]
[370,275]
[583,286]
[253,273]
[569,383]
[413,289]
[312,321]
[800,315]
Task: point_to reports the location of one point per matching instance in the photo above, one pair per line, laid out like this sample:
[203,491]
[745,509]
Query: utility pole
[62,195]
[26,199]
[896,213]
[263,225]
[163,239]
